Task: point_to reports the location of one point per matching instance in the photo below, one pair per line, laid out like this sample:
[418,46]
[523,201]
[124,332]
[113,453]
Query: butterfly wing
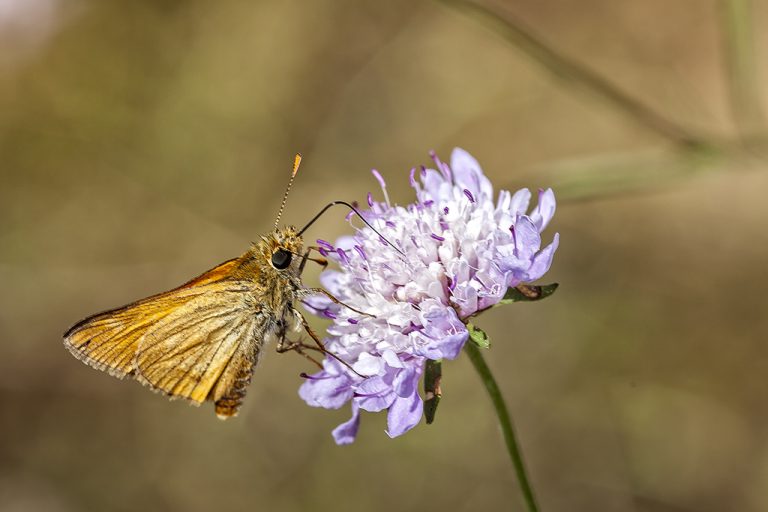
[109,341]
[199,350]
[199,341]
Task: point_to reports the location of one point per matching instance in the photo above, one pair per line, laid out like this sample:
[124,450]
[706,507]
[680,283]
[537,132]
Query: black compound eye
[281,259]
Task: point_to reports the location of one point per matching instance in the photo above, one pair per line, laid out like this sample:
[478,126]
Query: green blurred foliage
[142,142]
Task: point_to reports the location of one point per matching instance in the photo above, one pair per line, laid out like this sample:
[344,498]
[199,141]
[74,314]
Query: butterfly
[202,340]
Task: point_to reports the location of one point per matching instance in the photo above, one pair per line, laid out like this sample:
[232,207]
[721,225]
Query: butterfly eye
[281,259]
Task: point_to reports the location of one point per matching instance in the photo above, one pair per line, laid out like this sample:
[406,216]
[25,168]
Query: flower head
[456,252]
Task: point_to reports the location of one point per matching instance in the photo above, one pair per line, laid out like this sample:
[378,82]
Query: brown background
[141,142]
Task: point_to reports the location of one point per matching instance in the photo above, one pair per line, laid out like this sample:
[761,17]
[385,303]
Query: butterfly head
[282,248]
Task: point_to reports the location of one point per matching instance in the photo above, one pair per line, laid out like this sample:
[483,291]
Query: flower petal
[404,414]
[468,175]
[368,365]
[542,260]
[406,381]
[545,209]
[391,359]
[444,333]
[326,390]
[520,201]
[333,281]
[374,394]
[527,238]
[347,431]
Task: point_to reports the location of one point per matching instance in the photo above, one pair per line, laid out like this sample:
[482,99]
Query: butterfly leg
[310,291]
[285,345]
[320,345]
[298,347]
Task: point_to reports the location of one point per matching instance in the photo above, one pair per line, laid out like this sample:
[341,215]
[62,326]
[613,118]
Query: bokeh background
[144,141]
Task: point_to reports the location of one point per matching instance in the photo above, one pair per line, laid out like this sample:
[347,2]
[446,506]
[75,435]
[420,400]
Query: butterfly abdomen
[227,406]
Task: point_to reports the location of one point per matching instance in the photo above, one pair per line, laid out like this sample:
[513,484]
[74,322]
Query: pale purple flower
[458,251]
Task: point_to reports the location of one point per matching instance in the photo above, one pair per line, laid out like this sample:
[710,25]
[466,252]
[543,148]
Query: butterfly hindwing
[189,351]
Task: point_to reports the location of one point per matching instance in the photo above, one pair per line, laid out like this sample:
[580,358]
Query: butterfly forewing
[198,341]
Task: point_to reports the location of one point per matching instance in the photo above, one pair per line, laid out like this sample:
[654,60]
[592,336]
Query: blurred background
[144,141]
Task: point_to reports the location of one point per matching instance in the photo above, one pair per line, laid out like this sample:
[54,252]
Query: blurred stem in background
[739,54]
[691,154]
[505,422]
[572,73]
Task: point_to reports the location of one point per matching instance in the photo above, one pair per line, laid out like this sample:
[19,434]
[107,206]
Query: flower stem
[505,421]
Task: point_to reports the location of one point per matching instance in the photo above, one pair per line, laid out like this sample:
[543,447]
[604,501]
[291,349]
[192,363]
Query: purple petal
[375,403]
[444,332]
[435,185]
[368,365]
[520,201]
[374,394]
[325,390]
[527,239]
[317,304]
[542,260]
[404,414]
[391,359]
[406,381]
[468,174]
[346,242]
[448,347]
[465,296]
[331,281]
[545,209]
[347,431]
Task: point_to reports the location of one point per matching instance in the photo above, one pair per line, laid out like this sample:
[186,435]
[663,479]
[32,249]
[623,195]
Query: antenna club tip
[296,164]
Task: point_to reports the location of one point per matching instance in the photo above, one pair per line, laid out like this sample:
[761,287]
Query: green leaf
[478,336]
[432,392]
[528,293]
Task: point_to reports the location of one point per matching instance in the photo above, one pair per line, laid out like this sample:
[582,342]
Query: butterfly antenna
[296,164]
[334,203]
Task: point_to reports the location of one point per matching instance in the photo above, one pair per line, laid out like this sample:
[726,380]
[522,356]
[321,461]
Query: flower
[451,254]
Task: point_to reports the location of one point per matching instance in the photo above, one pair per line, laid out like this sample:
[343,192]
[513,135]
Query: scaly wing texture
[199,341]
[198,351]
[108,341]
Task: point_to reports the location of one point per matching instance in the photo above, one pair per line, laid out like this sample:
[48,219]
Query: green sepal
[478,336]
[432,392]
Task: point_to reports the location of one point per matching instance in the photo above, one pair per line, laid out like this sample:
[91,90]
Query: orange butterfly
[202,340]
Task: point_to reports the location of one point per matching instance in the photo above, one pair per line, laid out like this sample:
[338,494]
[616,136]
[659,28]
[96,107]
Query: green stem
[505,421]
